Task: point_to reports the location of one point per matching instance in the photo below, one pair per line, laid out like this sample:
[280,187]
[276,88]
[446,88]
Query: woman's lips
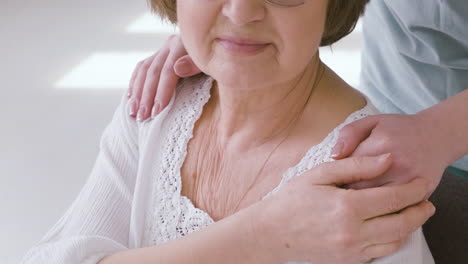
[242,46]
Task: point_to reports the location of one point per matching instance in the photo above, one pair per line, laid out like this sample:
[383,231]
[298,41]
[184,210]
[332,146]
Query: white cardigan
[132,197]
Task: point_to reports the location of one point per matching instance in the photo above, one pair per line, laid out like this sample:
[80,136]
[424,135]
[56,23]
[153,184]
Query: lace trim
[173,215]
[169,216]
[321,152]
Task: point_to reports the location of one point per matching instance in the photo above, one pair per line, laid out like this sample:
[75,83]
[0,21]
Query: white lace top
[133,198]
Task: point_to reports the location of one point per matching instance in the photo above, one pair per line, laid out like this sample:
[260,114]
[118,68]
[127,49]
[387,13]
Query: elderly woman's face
[251,43]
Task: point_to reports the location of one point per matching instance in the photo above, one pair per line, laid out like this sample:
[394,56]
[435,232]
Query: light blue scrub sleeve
[415,55]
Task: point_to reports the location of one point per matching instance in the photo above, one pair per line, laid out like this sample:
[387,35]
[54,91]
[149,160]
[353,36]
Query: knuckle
[153,73]
[146,64]
[349,132]
[408,167]
[345,240]
[167,70]
[146,100]
[402,228]
[344,207]
[344,215]
[134,101]
[346,131]
[359,162]
[350,128]
[346,212]
[384,142]
[393,201]
[156,69]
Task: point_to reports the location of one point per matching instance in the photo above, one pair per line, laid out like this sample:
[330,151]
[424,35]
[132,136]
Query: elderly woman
[224,174]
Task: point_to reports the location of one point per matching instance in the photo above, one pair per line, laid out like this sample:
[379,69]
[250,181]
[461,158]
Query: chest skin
[224,180]
[216,178]
[221,182]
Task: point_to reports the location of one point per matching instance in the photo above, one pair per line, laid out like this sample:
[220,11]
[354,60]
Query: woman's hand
[311,219]
[154,79]
[417,148]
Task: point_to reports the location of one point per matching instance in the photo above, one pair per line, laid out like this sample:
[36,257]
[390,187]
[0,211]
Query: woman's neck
[245,119]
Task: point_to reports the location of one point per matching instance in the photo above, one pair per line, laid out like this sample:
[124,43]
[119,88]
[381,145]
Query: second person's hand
[154,79]
[417,145]
[311,219]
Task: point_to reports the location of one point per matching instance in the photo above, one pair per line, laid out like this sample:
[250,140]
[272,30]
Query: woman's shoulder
[354,105]
[196,85]
[191,93]
[368,110]
[186,104]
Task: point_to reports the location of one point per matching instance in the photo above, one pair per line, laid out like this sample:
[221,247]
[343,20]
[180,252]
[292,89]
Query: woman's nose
[242,12]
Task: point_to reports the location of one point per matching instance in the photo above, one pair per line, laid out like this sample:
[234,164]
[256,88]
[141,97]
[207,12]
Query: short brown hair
[342,16]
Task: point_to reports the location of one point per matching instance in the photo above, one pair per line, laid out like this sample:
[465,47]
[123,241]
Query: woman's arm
[309,219]
[231,240]
[97,223]
[95,229]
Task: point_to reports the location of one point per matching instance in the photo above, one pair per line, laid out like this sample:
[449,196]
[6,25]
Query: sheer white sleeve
[414,251]
[97,223]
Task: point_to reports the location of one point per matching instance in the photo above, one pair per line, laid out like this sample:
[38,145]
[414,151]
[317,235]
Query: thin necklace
[319,76]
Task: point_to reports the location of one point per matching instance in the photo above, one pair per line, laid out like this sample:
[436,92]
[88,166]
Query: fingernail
[182,68]
[132,106]
[337,149]
[142,113]
[383,157]
[128,94]
[182,63]
[156,110]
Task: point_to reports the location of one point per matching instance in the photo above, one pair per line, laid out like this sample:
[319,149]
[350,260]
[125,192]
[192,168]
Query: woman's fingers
[132,79]
[169,78]
[185,67]
[136,72]
[389,199]
[137,84]
[393,227]
[150,84]
[154,79]
[352,135]
[166,87]
[351,170]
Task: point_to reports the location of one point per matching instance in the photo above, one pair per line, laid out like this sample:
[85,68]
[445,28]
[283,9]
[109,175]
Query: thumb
[352,135]
[185,67]
[351,170]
